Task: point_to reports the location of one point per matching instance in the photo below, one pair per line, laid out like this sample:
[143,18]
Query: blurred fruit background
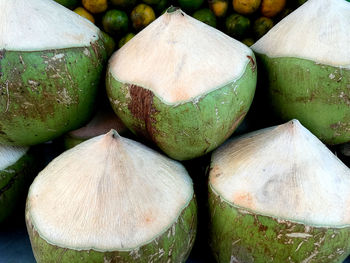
[244,20]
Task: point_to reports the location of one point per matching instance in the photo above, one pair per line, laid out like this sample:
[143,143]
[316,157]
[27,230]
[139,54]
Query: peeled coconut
[307,64]
[51,60]
[103,121]
[182,84]
[279,195]
[17,168]
[111,199]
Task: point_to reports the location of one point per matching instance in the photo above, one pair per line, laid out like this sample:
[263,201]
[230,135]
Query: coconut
[307,66]
[279,195]
[182,84]
[17,168]
[111,199]
[103,121]
[51,60]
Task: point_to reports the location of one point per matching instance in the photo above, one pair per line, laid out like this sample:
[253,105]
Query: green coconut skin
[14,183]
[189,129]
[239,235]
[44,94]
[317,95]
[173,245]
[70,142]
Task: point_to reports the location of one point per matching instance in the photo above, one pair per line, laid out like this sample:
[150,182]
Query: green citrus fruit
[125,39]
[115,22]
[205,15]
[237,25]
[161,6]
[190,5]
[71,4]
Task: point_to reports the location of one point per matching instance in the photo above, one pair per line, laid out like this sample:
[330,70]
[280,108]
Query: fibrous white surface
[285,172]
[317,31]
[178,58]
[108,193]
[33,25]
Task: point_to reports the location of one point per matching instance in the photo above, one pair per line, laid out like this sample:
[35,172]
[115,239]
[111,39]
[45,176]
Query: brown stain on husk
[142,108]
[252,63]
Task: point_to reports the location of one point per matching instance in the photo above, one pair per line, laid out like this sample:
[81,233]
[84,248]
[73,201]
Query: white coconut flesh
[108,193]
[9,155]
[317,31]
[284,172]
[179,58]
[42,25]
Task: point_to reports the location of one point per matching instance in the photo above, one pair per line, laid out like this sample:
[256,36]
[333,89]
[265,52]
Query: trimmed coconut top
[9,155]
[318,31]
[31,25]
[108,193]
[102,122]
[179,58]
[285,172]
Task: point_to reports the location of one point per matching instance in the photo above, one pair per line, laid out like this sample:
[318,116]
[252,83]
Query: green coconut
[279,195]
[182,84]
[17,168]
[307,68]
[103,121]
[51,60]
[111,199]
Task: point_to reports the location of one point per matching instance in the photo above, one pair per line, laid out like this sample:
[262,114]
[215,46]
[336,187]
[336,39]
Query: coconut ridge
[44,28]
[280,182]
[125,202]
[177,59]
[321,24]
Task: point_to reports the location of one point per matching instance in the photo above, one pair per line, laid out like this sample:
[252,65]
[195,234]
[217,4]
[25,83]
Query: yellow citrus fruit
[270,8]
[246,7]
[95,6]
[141,16]
[218,7]
[84,13]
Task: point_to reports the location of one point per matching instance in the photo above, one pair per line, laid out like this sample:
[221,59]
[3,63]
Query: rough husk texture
[185,130]
[239,235]
[173,245]
[46,93]
[317,95]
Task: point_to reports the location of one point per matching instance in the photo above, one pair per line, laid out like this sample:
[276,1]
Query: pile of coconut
[182,88]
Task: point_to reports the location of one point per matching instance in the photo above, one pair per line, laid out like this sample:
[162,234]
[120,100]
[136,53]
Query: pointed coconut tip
[182,53]
[49,25]
[323,27]
[284,172]
[105,197]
